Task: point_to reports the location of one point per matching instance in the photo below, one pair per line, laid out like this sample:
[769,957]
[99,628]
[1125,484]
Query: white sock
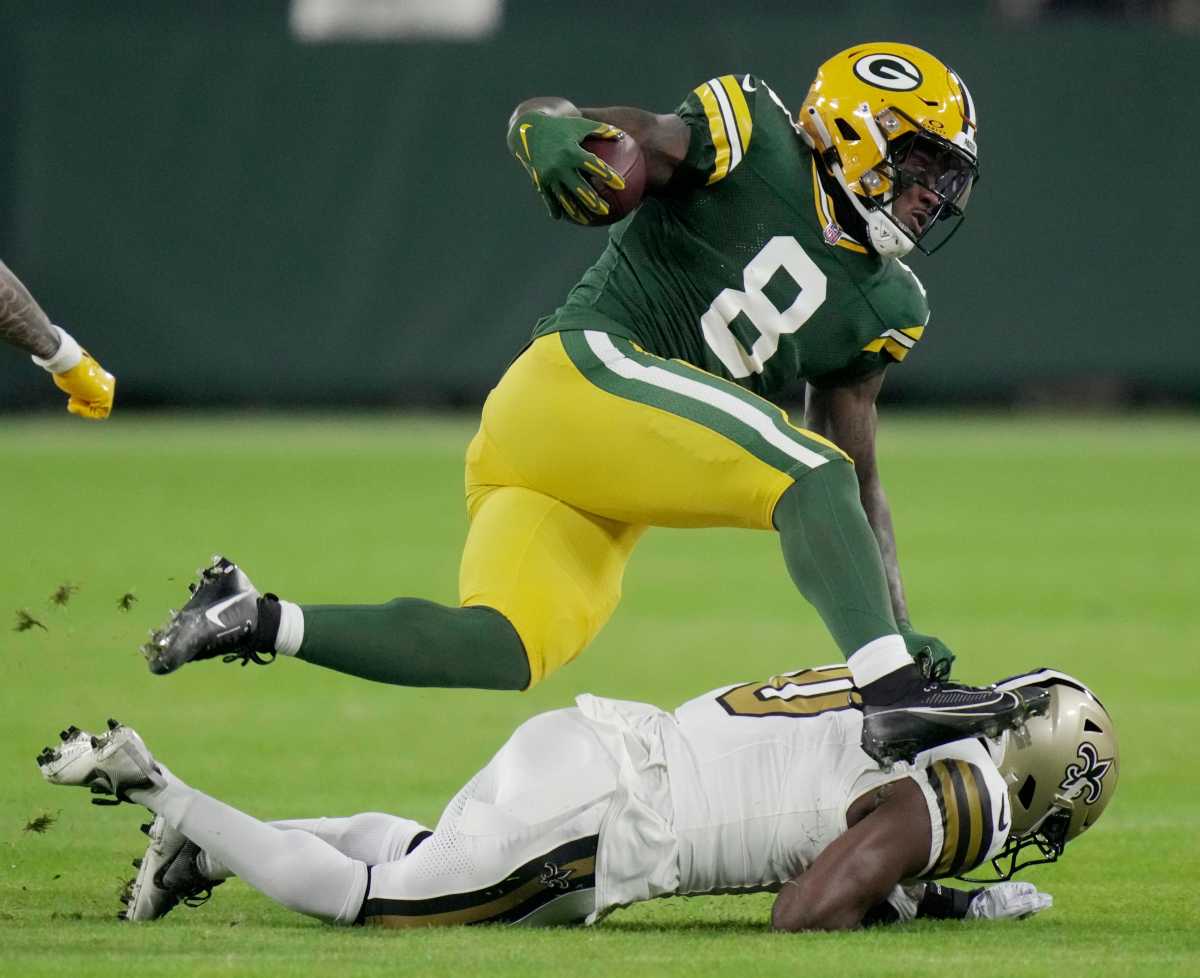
[294,868]
[877,659]
[370,837]
[291,629]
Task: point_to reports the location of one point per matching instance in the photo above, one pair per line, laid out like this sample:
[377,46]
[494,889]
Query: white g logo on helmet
[889,71]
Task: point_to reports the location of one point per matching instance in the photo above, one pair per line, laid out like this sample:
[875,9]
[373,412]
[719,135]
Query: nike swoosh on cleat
[213,613]
[969,713]
[941,711]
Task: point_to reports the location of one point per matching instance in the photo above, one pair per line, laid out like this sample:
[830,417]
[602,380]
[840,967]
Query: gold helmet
[1061,769]
[884,116]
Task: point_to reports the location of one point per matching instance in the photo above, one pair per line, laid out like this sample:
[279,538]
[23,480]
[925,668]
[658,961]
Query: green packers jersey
[739,267]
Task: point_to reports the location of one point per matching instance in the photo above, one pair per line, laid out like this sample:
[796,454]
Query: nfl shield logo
[833,234]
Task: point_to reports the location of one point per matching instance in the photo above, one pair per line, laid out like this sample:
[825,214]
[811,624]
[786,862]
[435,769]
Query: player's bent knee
[550,641]
[833,485]
[504,662]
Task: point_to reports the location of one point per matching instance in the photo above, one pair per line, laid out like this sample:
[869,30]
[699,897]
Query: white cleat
[71,761]
[112,764]
[145,898]
[167,876]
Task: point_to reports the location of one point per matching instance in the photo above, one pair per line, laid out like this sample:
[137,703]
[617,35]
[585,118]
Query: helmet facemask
[923,159]
[1048,837]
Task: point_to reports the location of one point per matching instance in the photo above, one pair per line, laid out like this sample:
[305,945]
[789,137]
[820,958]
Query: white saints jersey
[743,787]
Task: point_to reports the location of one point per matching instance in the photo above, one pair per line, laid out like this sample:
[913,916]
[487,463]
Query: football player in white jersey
[753,787]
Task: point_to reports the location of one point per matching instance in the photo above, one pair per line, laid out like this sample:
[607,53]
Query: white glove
[904,900]
[1008,900]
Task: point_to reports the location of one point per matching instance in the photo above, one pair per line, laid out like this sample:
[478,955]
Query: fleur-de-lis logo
[554,877]
[1087,775]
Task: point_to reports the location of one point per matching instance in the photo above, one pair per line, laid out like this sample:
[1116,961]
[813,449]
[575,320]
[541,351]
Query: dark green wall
[223,213]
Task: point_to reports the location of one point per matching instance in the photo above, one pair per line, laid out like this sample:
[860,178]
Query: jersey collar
[831,231]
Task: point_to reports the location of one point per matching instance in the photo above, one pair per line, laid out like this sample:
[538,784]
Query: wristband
[944,902]
[65,357]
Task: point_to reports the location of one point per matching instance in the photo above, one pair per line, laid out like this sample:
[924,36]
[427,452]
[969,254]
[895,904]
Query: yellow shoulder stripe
[741,111]
[716,128]
[729,123]
[896,342]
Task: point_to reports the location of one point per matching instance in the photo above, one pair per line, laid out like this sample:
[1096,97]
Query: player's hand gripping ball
[567,159]
[624,157]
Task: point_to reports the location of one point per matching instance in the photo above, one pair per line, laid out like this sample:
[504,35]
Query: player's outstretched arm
[932,901]
[23,324]
[545,134]
[856,880]
[860,868]
[847,416]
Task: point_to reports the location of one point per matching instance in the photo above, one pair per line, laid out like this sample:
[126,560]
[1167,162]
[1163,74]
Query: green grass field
[1025,542]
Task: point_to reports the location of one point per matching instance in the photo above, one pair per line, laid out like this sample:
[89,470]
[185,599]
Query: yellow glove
[91,388]
[76,372]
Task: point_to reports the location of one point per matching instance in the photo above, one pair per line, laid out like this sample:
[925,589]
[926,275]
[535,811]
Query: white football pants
[517,844]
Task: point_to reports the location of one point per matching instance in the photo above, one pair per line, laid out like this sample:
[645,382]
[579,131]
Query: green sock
[410,642]
[833,556]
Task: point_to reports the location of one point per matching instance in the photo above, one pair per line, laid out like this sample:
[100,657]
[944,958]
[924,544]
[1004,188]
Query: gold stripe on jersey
[741,111]
[939,777]
[896,342]
[825,214]
[812,677]
[716,129]
[966,810]
[729,123]
[786,696]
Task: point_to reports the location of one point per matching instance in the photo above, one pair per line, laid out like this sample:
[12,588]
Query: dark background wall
[224,212]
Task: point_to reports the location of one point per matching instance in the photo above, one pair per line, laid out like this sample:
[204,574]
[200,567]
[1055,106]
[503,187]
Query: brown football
[624,155]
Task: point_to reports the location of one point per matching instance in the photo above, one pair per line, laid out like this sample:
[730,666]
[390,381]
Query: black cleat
[220,618]
[939,713]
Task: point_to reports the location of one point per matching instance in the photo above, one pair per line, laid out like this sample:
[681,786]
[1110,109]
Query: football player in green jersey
[765,252]
[88,385]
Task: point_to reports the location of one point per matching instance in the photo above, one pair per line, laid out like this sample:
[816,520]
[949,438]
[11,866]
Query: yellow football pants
[585,442]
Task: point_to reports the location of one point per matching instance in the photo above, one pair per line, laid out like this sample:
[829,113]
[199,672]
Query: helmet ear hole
[847,130]
[1091,726]
[1025,795]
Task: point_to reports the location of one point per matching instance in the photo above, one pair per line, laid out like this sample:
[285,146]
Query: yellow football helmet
[1061,770]
[884,116]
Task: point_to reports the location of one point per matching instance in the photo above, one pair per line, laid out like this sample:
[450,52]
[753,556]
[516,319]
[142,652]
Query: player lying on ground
[23,324]
[764,254]
[752,787]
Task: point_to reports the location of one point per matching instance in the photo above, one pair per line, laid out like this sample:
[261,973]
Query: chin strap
[884,233]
